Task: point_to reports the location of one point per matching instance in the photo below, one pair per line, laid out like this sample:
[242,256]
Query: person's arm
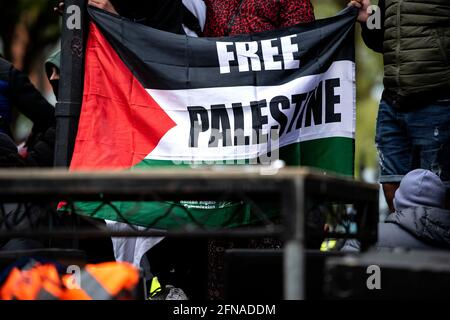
[101,4]
[27,99]
[41,153]
[373,38]
[104,5]
[9,157]
[293,12]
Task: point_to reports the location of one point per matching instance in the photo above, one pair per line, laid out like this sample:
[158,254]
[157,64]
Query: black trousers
[182,263]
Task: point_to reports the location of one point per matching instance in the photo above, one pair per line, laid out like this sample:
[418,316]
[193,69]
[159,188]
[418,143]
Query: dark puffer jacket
[415,42]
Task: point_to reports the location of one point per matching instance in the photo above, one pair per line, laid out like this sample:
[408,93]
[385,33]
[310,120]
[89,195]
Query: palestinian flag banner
[153,99]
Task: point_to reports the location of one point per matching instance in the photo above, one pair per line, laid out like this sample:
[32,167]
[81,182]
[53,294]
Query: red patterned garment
[233,17]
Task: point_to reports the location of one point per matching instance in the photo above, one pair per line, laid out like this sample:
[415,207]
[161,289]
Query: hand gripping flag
[153,98]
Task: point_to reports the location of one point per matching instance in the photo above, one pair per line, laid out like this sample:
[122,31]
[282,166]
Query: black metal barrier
[294,189]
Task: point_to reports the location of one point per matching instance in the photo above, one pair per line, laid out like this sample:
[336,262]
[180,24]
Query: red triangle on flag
[120,123]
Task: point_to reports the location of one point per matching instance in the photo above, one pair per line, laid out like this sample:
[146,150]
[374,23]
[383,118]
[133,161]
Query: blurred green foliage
[369,68]
[35,20]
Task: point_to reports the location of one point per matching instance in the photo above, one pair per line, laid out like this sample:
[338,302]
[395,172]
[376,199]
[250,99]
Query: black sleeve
[166,15]
[41,153]
[27,99]
[8,153]
[374,38]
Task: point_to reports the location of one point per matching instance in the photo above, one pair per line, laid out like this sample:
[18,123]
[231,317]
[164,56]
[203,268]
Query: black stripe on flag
[162,60]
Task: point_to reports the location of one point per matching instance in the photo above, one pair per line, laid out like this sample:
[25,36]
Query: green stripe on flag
[334,155]
[330,154]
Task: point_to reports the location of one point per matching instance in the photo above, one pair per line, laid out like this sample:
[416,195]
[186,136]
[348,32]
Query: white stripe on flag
[175,144]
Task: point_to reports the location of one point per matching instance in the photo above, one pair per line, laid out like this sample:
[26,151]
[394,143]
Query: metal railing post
[68,108]
[293,264]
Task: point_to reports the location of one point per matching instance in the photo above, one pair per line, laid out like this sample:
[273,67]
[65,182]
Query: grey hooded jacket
[419,228]
[416,228]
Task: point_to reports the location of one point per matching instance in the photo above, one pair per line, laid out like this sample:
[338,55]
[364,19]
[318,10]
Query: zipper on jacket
[233,18]
[397,53]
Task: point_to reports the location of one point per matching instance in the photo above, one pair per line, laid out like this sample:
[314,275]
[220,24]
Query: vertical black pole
[74,31]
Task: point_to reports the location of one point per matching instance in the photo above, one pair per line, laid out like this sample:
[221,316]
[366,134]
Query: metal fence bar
[183,233]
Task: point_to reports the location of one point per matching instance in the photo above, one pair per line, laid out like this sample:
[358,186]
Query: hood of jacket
[430,225]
